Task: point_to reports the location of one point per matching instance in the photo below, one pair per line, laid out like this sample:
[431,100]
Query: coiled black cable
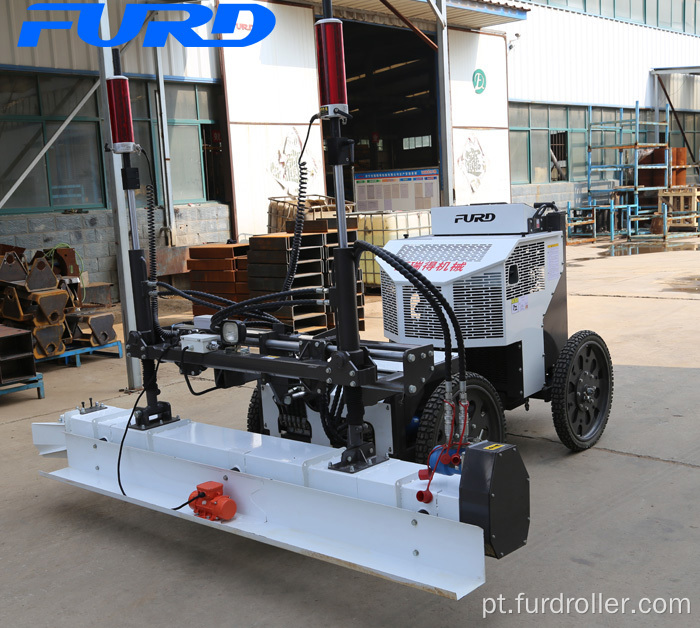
[301,212]
[153,260]
[298,227]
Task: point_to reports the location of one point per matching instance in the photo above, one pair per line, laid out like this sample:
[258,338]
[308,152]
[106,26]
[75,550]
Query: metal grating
[419,320]
[478,305]
[529,258]
[443,252]
[391,323]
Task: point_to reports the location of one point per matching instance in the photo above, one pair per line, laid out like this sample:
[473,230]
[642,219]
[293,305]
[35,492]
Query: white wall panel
[275,80]
[264,159]
[271,93]
[568,57]
[64,50]
[467,53]
[479,118]
[482,167]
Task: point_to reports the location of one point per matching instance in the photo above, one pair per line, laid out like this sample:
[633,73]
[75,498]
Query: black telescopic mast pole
[358,452]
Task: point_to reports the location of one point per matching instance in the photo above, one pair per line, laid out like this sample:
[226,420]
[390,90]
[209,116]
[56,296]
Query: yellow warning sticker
[494,447]
[549,246]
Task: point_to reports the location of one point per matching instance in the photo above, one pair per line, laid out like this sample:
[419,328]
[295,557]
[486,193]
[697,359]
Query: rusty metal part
[12,308]
[12,268]
[67,333]
[73,290]
[97,294]
[51,307]
[65,262]
[42,308]
[16,355]
[6,248]
[48,341]
[40,275]
[91,328]
[172,260]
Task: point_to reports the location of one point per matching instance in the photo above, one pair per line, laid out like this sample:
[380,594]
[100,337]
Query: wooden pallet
[682,204]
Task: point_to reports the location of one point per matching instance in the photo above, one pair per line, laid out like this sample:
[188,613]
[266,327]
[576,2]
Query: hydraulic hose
[275,305]
[221,315]
[417,281]
[329,422]
[187,294]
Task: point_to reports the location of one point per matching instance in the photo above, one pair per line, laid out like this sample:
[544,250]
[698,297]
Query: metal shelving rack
[623,197]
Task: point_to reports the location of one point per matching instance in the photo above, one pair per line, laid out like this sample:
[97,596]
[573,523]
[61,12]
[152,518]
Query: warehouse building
[572,54]
[440,93]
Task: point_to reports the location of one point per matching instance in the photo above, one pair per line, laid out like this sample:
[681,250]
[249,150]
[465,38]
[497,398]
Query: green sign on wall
[479,81]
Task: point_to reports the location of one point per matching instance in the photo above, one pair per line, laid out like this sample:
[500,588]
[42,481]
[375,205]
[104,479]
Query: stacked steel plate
[34,298]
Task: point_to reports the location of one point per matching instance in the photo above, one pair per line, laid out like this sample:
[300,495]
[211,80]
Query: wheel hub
[586,388]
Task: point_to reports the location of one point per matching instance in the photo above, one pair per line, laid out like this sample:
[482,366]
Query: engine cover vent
[478,304]
[443,252]
[391,323]
[419,319]
[529,258]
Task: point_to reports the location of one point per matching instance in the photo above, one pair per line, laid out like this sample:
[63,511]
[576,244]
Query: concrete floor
[622,519]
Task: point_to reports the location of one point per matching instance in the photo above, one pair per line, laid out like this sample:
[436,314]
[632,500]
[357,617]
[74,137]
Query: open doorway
[392,95]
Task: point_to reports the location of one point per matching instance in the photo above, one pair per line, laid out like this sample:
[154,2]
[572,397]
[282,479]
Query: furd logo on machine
[225,23]
[475,217]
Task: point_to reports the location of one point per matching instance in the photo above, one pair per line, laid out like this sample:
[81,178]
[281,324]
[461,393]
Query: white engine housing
[500,286]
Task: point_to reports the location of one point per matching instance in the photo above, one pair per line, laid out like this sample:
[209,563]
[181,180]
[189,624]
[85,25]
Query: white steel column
[116,195]
[445,114]
[164,142]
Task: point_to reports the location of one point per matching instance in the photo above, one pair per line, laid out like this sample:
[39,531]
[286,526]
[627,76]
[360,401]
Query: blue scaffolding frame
[623,196]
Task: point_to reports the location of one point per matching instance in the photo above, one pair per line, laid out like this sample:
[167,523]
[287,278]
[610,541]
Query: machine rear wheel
[582,390]
[485,415]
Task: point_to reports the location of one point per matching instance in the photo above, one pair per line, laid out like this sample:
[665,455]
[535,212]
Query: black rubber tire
[492,418]
[255,414]
[583,365]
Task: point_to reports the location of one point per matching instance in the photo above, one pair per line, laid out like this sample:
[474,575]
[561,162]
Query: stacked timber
[269,261]
[330,239]
[219,269]
[269,257]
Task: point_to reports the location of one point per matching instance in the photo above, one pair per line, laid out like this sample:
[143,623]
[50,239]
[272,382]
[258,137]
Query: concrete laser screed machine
[386,457]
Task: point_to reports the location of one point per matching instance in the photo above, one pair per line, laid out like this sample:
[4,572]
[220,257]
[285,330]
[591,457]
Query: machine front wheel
[582,390]
[485,414]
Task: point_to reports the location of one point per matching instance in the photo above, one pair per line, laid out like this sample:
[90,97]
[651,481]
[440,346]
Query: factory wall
[479,116]
[572,58]
[271,93]
[561,57]
[92,234]
[62,49]
[61,53]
